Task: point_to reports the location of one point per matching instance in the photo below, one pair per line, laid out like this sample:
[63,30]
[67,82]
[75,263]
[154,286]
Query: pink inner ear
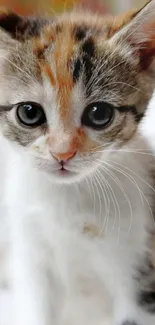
[147,54]
[145,44]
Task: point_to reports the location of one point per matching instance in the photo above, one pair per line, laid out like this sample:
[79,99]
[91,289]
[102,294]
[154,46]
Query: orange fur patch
[61,78]
[81,142]
[78,142]
[65,155]
[47,70]
[62,55]
[42,43]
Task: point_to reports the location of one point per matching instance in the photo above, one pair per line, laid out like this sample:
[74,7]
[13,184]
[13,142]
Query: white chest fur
[75,248]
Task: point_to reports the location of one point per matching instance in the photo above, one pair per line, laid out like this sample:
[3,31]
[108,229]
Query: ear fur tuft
[139,33]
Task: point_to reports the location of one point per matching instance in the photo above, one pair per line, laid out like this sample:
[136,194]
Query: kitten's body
[85,263]
[80,242]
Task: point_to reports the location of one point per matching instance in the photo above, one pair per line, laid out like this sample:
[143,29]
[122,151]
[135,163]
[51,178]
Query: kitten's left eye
[98,115]
[30,114]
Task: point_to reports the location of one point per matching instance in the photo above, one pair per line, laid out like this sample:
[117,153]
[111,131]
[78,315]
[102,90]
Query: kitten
[76,172]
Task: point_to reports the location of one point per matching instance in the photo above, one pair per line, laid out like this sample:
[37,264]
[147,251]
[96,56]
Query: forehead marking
[62,77]
[77,70]
[64,47]
[80,32]
[48,71]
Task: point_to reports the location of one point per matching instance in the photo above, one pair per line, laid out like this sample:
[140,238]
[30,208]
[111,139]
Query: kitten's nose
[64,156]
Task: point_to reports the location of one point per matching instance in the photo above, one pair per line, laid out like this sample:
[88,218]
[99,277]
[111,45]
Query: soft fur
[77,248]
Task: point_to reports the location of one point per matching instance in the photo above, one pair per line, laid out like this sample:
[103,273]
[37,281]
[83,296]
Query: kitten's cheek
[41,145]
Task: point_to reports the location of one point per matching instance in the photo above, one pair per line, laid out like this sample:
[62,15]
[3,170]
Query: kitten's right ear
[18,27]
[138,31]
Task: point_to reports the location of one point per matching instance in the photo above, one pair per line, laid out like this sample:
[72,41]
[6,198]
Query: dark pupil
[100,114]
[30,111]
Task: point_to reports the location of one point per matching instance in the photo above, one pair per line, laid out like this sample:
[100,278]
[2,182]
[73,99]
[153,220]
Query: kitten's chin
[67,175]
[62,176]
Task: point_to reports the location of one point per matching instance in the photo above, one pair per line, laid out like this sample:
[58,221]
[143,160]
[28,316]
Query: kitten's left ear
[18,27]
[139,33]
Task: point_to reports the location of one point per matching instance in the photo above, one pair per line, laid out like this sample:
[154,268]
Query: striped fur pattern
[65,64]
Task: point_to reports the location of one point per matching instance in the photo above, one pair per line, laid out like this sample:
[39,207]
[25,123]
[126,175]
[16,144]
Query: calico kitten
[76,185]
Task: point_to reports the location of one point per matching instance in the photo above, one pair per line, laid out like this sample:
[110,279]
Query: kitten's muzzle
[64,157]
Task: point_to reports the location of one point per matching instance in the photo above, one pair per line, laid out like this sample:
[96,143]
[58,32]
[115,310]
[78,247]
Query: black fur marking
[131,109]
[88,68]
[88,55]
[146,279]
[32,27]
[147,299]
[9,22]
[21,28]
[77,70]
[88,47]
[80,33]
[40,52]
[88,50]
[58,29]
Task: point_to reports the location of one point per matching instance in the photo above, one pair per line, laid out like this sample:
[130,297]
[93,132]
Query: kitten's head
[75,87]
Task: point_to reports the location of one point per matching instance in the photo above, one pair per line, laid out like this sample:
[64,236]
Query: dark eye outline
[41,117]
[86,119]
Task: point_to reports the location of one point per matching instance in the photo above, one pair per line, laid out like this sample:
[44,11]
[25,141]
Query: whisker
[116,180]
[103,192]
[135,183]
[94,199]
[114,200]
[142,179]
[126,151]
[108,207]
[118,208]
[99,196]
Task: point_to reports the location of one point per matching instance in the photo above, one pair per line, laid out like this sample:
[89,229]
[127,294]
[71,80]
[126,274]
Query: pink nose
[64,156]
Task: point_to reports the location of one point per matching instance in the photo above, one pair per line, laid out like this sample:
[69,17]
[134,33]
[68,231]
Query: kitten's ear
[18,27]
[139,33]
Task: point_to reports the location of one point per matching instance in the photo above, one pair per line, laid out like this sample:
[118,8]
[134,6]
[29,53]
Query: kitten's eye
[30,114]
[98,115]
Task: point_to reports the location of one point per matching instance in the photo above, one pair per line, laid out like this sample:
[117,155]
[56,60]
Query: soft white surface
[148,128]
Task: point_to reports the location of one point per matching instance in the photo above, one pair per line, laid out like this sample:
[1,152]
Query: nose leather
[64,156]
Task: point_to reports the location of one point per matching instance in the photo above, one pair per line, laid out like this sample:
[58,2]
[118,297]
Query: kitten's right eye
[30,114]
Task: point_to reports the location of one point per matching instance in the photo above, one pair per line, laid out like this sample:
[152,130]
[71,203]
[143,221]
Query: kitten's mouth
[63,171]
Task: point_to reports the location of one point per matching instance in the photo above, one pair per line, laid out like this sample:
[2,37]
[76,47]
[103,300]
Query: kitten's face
[73,93]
